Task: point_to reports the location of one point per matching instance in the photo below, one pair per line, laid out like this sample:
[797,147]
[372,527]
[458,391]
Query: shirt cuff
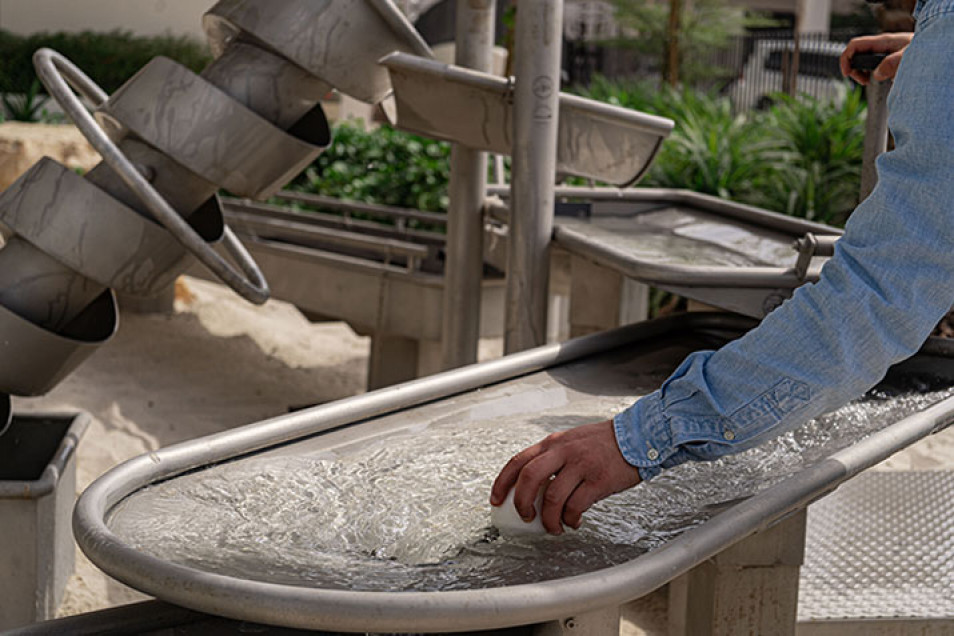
[643,436]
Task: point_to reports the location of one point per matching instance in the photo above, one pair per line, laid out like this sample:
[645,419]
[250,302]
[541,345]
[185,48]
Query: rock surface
[23,144]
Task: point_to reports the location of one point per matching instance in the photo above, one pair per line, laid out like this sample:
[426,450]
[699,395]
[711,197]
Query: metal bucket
[36,359]
[338,42]
[37,490]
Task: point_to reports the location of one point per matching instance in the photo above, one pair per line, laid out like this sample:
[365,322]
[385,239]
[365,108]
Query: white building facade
[142,17]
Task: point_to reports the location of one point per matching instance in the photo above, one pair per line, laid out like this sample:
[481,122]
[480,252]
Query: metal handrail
[359,206]
[303,233]
[315,218]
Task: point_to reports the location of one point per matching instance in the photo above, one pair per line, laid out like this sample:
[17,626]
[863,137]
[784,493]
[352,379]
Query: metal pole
[463,271]
[536,122]
[672,39]
[876,134]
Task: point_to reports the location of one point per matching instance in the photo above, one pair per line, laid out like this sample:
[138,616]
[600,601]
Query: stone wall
[22,145]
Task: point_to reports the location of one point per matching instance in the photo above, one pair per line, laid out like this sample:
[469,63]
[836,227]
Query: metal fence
[750,69]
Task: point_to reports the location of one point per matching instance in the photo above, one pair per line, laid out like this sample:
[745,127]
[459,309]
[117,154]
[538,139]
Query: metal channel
[573,237]
[682,275]
[740,211]
[269,213]
[389,211]
[299,607]
[306,234]
[458,610]
[56,466]
[595,140]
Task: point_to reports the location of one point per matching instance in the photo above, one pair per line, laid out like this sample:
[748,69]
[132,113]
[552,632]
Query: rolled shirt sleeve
[889,282]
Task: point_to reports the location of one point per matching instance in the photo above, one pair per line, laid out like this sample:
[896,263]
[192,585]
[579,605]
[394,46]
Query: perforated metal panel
[881,546]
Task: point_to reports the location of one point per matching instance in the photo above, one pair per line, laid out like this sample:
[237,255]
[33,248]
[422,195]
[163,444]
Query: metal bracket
[810,246]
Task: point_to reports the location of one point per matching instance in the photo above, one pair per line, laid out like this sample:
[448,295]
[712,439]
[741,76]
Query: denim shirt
[889,282]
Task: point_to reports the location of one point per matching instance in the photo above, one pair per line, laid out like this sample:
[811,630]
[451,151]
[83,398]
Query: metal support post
[876,134]
[749,588]
[536,123]
[465,227]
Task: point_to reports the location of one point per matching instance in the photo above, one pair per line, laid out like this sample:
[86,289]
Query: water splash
[410,512]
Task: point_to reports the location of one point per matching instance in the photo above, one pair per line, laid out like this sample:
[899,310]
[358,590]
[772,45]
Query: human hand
[891,43]
[586,465]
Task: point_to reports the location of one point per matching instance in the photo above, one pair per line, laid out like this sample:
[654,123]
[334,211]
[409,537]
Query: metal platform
[878,549]
[609,364]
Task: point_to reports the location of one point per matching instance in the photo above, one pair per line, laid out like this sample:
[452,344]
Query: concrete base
[602,299]
[750,588]
[603,622]
[395,359]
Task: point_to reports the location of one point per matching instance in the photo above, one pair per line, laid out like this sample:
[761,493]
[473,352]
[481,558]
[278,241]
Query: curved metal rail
[489,608]
[57,73]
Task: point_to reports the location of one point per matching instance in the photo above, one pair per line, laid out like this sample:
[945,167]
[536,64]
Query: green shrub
[27,106]
[385,166]
[802,157]
[817,174]
[108,58]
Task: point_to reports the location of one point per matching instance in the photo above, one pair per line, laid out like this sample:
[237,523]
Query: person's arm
[890,281]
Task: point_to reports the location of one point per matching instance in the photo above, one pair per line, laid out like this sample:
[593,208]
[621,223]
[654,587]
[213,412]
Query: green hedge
[385,166]
[801,157]
[108,58]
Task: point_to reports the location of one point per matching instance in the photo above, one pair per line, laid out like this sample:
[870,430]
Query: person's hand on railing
[585,464]
[891,44]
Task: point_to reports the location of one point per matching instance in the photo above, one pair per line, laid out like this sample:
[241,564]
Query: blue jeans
[889,283]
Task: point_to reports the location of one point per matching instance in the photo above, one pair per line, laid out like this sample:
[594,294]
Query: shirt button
[729,435]
[653,454]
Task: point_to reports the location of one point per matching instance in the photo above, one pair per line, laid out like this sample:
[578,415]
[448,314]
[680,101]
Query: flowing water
[410,512]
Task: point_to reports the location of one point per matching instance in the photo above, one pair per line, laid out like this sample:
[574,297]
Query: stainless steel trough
[609,363]
[37,492]
[730,255]
[596,140]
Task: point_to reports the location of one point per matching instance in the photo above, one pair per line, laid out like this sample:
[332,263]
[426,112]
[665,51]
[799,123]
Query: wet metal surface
[596,140]
[608,367]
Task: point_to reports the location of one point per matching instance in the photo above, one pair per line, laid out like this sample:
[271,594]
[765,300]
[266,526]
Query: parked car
[764,72]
